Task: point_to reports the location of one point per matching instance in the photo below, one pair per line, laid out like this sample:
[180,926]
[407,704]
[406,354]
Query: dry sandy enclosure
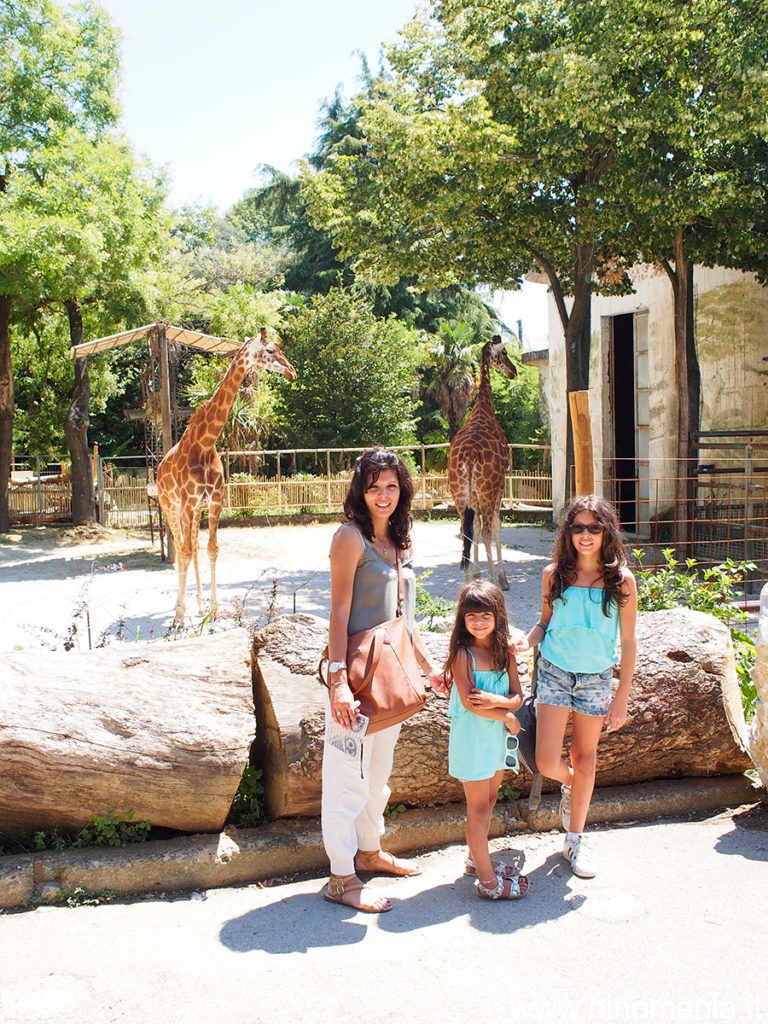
[75,588]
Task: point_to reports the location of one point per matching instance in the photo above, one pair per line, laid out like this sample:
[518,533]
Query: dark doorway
[624,426]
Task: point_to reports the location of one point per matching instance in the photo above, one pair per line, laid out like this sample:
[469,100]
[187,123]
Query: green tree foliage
[355,375]
[518,409]
[276,214]
[453,369]
[57,70]
[509,136]
[57,80]
[696,185]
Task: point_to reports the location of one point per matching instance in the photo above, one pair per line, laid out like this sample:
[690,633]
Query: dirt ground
[76,588]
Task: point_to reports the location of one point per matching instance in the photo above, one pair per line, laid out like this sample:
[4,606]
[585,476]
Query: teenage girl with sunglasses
[485,692]
[589,601]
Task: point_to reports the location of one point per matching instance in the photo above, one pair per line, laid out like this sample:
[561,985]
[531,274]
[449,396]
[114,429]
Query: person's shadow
[549,897]
[306,921]
[749,837]
[294,925]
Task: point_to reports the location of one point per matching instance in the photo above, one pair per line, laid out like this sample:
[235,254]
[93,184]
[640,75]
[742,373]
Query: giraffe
[478,457]
[191,473]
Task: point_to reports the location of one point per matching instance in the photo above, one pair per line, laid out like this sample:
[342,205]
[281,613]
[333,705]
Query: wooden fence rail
[123,500]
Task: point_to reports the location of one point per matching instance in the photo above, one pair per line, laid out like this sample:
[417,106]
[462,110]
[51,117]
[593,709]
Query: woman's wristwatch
[336,666]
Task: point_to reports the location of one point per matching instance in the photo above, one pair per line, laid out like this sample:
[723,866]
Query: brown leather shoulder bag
[382,669]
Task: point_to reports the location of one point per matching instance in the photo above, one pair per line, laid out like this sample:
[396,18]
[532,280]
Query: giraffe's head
[268,354]
[499,359]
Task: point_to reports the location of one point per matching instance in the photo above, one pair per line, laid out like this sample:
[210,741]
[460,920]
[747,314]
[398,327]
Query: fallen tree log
[685,715]
[160,729]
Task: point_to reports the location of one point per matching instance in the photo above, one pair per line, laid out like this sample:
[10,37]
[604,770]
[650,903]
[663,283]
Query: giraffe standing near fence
[191,474]
[478,458]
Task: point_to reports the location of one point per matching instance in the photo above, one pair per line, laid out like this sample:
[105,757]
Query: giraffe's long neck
[484,394]
[207,422]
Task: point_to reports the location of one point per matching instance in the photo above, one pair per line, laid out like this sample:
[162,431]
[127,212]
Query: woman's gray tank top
[374,591]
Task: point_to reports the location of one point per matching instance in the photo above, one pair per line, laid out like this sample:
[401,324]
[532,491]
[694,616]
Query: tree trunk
[685,716]
[76,428]
[688,388]
[163,730]
[6,409]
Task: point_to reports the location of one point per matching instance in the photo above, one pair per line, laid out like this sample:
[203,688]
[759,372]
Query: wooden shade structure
[160,334]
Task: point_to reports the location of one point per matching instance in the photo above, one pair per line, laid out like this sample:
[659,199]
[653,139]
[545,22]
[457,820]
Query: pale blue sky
[212,91]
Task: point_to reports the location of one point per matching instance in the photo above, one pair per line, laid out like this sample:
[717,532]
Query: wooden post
[581,422]
[165,408]
[165,388]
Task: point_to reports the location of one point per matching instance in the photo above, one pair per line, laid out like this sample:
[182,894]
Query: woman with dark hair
[589,601]
[364,593]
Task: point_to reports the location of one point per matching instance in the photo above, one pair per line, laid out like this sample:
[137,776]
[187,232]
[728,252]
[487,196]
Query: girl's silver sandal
[500,869]
[496,892]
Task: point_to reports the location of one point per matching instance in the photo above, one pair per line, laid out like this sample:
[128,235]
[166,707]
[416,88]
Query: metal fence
[725,516]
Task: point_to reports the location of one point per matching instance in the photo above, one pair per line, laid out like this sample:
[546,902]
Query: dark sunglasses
[510,757]
[593,528]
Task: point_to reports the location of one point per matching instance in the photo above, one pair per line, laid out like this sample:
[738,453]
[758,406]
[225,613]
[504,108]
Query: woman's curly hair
[613,554]
[368,469]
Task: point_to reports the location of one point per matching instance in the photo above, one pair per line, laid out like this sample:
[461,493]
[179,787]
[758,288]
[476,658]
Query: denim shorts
[589,693]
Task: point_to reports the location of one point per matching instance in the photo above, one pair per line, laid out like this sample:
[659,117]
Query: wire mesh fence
[708,509]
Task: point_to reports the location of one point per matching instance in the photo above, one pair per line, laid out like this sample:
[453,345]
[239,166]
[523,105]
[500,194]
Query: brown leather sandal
[391,865]
[339,886]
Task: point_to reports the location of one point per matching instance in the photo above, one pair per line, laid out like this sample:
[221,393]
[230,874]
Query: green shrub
[247,809]
[429,608]
[712,590]
[104,830]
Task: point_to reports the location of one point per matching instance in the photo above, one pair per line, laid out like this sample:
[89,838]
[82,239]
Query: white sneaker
[565,807]
[576,851]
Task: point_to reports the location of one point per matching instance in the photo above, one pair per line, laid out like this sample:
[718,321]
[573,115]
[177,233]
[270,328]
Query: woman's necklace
[382,547]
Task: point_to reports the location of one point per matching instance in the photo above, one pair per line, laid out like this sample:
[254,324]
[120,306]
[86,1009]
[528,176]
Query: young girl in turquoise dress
[589,601]
[485,692]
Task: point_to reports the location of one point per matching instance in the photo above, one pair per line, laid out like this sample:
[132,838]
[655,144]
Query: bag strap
[400,588]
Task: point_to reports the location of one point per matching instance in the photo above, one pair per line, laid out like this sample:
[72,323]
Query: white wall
[731,313]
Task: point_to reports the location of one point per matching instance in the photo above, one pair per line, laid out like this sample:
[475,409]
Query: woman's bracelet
[340,682]
[542,625]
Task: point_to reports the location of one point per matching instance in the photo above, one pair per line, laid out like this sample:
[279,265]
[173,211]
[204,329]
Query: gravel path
[88,586]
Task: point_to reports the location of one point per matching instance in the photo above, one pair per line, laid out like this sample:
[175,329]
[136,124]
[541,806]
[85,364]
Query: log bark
[685,715]
[161,729]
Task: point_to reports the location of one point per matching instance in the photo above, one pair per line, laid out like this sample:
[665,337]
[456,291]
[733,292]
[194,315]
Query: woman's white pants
[355,793]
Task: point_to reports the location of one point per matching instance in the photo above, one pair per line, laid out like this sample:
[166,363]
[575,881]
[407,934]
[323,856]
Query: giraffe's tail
[467,530]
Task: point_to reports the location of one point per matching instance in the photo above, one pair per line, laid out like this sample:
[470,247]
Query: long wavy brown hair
[613,554]
[367,471]
[480,596]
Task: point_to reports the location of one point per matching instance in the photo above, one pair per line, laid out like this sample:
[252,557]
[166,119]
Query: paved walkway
[672,929]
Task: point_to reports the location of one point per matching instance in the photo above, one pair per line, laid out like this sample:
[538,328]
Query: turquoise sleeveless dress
[476,746]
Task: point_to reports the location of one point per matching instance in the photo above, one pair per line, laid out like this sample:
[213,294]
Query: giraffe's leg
[171,514]
[479,525]
[195,550]
[486,529]
[183,558]
[501,576]
[467,516]
[214,512]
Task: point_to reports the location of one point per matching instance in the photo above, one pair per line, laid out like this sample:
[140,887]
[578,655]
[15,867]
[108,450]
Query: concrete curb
[292,846]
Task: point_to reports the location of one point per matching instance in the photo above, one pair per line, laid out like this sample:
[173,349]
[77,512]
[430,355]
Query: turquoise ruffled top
[580,638]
